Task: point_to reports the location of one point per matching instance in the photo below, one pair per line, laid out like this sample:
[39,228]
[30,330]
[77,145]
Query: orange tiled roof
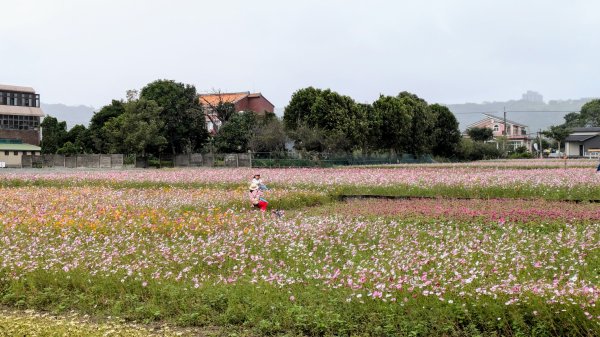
[215,99]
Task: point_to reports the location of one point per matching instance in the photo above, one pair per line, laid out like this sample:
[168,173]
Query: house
[12,151]
[242,101]
[583,142]
[516,133]
[20,114]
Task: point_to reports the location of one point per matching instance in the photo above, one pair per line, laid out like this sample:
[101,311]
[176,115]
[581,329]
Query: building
[242,101]
[533,97]
[583,142]
[516,133]
[20,114]
[12,151]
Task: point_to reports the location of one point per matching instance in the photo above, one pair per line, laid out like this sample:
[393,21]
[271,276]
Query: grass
[301,255]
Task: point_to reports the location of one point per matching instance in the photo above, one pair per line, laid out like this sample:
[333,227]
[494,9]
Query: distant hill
[73,115]
[535,114]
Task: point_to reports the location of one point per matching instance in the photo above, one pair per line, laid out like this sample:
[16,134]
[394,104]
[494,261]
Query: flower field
[182,247]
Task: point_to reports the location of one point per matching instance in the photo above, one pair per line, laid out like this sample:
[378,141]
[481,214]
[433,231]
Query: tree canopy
[182,119]
[480,134]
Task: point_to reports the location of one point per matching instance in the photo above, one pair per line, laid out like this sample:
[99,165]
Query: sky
[445,51]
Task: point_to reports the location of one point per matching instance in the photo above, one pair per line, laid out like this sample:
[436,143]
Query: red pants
[262,205]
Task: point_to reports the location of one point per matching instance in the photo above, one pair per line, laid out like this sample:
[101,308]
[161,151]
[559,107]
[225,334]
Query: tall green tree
[183,121]
[422,124]
[558,133]
[396,123]
[268,136]
[590,113]
[54,134]
[77,136]
[297,112]
[234,136]
[588,116]
[97,140]
[368,125]
[446,135]
[137,130]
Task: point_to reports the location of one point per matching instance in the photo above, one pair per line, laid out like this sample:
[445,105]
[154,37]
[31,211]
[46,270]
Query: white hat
[253,186]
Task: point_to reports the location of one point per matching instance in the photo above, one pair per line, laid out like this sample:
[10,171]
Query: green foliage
[471,150]
[480,134]
[54,134]
[298,111]
[422,124]
[234,136]
[69,148]
[446,132]
[589,116]
[181,118]
[136,130]
[268,136]
[590,113]
[396,123]
[97,139]
[558,133]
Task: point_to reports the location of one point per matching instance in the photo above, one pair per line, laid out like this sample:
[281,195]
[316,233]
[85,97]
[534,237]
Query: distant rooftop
[589,129]
[5,87]
[215,99]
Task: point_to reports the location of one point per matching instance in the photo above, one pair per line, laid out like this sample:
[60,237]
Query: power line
[491,112]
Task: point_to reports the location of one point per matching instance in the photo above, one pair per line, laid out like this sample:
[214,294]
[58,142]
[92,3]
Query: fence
[261,159]
[78,161]
[322,159]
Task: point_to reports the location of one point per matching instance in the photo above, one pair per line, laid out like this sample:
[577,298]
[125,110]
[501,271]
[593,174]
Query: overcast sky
[89,52]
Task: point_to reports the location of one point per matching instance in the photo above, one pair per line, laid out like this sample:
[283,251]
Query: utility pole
[504,132]
[540,141]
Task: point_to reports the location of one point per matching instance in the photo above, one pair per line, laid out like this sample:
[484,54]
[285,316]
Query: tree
[53,134]
[396,123]
[77,136]
[590,113]
[446,136]
[422,124]
[183,121]
[480,134]
[268,136]
[234,135]
[558,133]
[308,139]
[297,111]
[587,117]
[69,148]
[97,140]
[137,130]
[572,120]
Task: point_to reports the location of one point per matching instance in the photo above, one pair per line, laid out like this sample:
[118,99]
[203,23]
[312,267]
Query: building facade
[20,114]
[12,151]
[516,133]
[242,101]
[583,142]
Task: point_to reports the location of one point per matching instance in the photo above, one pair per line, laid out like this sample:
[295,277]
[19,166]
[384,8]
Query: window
[496,127]
[16,153]
[6,153]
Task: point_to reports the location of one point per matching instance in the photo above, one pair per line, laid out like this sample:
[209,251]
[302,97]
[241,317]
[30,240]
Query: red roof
[215,99]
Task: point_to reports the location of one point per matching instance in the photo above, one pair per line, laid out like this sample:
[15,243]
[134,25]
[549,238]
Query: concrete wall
[82,161]
[11,159]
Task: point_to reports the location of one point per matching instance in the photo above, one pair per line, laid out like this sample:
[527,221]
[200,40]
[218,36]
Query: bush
[470,150]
